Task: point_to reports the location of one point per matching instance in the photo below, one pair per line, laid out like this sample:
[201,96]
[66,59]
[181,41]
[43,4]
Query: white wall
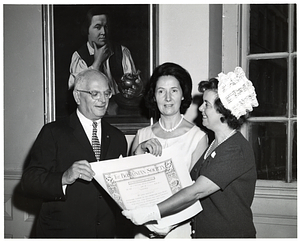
[184,39]
[23,87]
[23,107]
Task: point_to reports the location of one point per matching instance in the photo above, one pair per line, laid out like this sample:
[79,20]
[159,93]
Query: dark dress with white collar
[227,212]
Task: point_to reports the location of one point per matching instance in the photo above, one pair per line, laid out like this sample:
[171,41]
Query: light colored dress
[187,143]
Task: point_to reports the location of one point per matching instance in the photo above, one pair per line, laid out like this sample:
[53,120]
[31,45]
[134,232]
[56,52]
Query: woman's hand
[142,215]
[159,229]
[152,146]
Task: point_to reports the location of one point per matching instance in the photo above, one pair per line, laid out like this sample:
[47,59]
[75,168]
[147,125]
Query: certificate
[145,180]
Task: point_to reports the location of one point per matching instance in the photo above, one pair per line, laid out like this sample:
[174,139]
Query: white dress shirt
[87,125]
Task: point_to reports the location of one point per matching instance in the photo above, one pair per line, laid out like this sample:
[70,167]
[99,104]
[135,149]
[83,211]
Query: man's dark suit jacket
[86,210]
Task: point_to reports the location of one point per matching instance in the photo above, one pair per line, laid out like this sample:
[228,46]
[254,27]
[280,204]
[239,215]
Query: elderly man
[59,171]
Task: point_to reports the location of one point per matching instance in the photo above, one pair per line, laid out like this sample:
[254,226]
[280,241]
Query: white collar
[90,48]
[84,120]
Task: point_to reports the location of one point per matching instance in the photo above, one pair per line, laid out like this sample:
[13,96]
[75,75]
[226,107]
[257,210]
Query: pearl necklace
[172,129]
[227,137]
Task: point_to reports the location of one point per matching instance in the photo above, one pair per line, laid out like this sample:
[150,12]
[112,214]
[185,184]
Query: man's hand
[142,215]
[100,55]
[79,170]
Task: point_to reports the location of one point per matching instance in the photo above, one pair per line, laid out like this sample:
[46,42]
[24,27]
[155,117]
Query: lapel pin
[213,154]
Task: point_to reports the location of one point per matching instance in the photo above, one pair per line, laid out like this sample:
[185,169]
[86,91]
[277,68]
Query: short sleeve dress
[227,212]
[187,143]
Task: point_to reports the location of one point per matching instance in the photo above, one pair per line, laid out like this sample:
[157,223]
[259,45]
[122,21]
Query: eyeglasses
[96,94]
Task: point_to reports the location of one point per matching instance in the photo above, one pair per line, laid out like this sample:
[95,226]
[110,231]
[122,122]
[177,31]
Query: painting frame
[128,124]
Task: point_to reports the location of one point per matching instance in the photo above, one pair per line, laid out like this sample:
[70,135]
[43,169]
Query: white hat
[236,92]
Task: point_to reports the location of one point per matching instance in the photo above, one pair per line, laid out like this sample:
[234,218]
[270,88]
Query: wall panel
[275,209]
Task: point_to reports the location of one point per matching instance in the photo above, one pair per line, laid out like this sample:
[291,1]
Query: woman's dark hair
[88,18]
[231,120]
[184,79]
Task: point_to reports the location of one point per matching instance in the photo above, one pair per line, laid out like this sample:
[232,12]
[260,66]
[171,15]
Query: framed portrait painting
[133,26]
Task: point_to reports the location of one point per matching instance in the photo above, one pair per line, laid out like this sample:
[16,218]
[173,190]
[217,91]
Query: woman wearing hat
[225,175]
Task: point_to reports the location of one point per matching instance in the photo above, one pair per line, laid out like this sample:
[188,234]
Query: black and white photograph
[145,120]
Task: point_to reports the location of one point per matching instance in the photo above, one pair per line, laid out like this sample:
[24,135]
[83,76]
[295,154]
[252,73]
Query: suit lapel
[105,139]
[80,135]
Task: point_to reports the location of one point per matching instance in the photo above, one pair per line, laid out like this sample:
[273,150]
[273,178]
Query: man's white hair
[85,75]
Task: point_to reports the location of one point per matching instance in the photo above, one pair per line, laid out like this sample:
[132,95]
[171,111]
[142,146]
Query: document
[145,180]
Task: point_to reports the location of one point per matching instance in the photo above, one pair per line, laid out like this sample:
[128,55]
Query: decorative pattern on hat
[236,92]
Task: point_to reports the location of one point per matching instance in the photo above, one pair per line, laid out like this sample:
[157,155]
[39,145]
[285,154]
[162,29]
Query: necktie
[95,142]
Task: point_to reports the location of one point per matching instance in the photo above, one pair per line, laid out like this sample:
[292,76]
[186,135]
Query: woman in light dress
[169,95]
